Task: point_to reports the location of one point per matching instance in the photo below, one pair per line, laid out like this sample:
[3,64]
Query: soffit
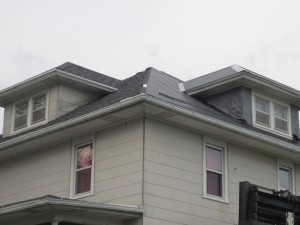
[251,80]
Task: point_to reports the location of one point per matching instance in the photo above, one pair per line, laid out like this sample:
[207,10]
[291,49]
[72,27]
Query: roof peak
[237,68]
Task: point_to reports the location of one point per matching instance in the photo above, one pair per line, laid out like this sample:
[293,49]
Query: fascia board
[172,107]
[213,84]
[250,76]
[49,74]
[273,85]
[88,82]
[27,83]
[70,203]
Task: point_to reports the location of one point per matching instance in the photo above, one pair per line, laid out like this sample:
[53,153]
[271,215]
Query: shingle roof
[89,74]
[151,82]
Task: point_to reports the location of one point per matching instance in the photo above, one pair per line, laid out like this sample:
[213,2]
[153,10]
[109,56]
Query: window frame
[273,102]
[84,140]
[285,164]
[29,101]
[222,146]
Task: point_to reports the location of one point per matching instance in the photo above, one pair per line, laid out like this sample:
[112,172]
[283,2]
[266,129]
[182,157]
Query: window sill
[274,131]
[14,132]
[82,195]
[215,199]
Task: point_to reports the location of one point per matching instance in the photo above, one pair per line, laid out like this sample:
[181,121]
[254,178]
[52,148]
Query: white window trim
[90,138]
[286,164]
[29,124]
[271,127]
[221,145]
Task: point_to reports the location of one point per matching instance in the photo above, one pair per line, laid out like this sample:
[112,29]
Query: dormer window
[21,111]
[262,108]
[38,109]
[30,112]
[281,117]
[271,114]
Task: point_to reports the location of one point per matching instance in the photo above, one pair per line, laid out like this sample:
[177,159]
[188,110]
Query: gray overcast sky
[184,38]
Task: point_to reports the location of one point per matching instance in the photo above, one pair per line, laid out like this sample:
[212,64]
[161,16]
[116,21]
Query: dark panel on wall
[236,102]
[295,119]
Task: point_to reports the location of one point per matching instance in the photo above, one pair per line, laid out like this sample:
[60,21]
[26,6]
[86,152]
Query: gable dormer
[47,96]
[254,99]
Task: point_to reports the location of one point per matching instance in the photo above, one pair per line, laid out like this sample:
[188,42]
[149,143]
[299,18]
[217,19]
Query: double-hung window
[271,115]
[262,108]
[30,112]
[215,170]
[280,117]
[285,172]
[82,167]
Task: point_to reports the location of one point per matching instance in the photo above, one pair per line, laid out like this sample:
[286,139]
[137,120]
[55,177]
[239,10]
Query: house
[80,147]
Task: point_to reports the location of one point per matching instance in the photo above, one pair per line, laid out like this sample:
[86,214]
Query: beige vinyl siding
[119,164]
[173,177]
[44,172]
[248,165]
[52,104]
[118,169]
[70,98]
[7,122]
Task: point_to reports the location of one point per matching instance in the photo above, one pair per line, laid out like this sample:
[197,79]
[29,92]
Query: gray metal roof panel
[211,77]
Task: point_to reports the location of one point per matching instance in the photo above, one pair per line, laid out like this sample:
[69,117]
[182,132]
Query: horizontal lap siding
[45,172]
[248,165]
[70,98]
[7,122]
[119,164]
[118,169]
[173,177]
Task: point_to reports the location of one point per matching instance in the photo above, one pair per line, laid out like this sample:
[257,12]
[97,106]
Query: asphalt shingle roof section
[151,82]
[89,74]
[211,77]
[166,88]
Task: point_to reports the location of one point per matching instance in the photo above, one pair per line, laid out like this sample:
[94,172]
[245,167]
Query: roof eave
[51,208]
[47,78]
[247,76]
[149,99]
[48,200]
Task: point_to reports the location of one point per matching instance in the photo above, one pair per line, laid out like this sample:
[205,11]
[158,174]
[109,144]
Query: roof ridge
[152,68]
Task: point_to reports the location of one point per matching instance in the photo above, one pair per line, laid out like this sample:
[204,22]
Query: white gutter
[228,126]
[84,80]
[29,81]
[71,203]
[145,98]
[249,74]
[68,123]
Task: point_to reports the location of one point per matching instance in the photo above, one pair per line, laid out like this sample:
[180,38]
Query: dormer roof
[67,73]
[234,76]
